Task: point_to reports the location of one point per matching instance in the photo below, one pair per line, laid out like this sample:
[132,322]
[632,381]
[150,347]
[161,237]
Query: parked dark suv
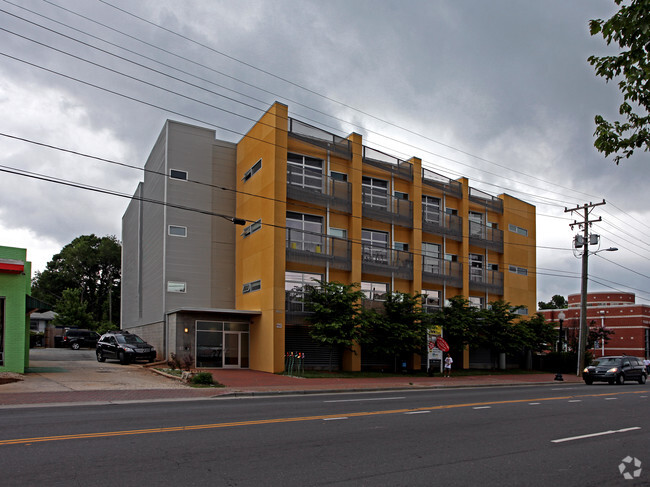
[77,338]
[125,347]
[615,369]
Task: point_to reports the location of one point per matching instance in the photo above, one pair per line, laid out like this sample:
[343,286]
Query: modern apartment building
[316,206]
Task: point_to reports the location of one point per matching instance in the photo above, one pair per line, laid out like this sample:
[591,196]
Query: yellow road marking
[171,429]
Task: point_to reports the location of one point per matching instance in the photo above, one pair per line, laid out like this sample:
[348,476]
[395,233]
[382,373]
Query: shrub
[202,378]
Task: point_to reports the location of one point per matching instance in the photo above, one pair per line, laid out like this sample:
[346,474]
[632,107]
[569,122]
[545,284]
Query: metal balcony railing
[440,271]
[381,160]
[440,223]
[296,310]
[386,262]
[318,249]
[490,202]
[313,187]
[486,237]
[386,208]
[443,183]
[318,137]
[486,280]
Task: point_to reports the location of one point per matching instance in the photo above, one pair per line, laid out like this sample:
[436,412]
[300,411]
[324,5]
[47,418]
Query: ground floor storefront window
[222,344]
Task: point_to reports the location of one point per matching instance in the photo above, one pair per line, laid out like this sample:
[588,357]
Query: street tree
[498,330]
[90,264]
[337,318]
[537,334]
[556,302]
[71,311]
[400,330]
[459,324]
[629,28]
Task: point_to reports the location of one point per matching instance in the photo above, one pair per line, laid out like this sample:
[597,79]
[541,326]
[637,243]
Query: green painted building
[15,307]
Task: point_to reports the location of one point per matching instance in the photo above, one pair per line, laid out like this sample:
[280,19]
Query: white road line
[482,407]
[644,397]
[575,400]
[368,399]
[602,433]
[565,388]
[335,419]
[534,403]
[611,398]
[417,412]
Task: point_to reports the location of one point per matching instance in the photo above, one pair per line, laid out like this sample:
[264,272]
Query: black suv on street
[76,338]
[125,347]
[616,369]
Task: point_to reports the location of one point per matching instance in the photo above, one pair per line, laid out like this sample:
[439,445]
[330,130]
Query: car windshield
[130,339]
[606,361]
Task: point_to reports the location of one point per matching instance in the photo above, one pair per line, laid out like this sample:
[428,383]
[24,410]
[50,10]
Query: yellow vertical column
[464,257]
[416,233]
[352,359]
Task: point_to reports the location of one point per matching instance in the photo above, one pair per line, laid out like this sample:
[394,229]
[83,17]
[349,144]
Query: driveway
[63,369]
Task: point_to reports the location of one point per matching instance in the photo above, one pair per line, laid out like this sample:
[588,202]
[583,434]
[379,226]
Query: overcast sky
[498,91]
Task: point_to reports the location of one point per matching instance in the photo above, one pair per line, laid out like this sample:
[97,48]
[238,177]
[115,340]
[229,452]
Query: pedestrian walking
[448,362]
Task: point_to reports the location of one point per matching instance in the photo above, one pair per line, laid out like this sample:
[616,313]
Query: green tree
[93,266]
[630,29]
[537,334]
[459,324]
[337,317]
[71,311]
[556,302]
[498,331]
[597,334]
[400,330]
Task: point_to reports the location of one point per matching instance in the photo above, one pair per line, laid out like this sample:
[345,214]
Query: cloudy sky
[498,91]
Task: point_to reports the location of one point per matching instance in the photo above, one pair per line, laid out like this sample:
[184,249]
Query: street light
[583,302]
[602,332]
[558,376]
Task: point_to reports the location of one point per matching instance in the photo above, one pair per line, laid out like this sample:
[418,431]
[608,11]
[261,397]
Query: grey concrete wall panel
[131,252]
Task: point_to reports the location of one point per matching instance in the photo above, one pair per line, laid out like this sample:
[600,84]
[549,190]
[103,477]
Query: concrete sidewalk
[134,383]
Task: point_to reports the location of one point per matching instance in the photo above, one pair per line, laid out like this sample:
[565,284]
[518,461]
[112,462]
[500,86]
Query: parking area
[63,369]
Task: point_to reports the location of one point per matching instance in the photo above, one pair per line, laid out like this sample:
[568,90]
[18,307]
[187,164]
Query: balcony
[443,183]
[439,223]
[490,202]
[486,237]
[386,208]
[486,280]
[320,138]
[386,262]
[381,160]
[296,311]
[440,271]
[313,187]
[318,249]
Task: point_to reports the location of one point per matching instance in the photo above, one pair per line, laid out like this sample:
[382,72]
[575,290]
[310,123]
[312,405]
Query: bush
[202,379]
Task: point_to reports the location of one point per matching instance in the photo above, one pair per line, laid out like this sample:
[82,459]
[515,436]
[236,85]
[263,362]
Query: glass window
[339,233]
[374,246]
[338,176]
[404,247]
[305,172]
[431,299]
[519,230]
[451,257]
[249,287]
[178,174]
[176,287]
[477,302]
[451,211]
[375,291]
[177,231]
[476,267]
[518,270]
[294,288]
[305,232]
[431,258]
[375,192]
[252,228]
[400,195]
[431,209]
[256,167]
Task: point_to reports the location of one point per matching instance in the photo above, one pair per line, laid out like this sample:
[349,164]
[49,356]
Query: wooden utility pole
[585,224]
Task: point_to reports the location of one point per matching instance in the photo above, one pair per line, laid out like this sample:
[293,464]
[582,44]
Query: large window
[476,226]
[476,267]
[305,172]
[477,302]
[220,344]
[519,230]
[431,258]
[431,209]
[305,232]
[294,288]
[375,192]
[375,246]
[430,300]
[375,291]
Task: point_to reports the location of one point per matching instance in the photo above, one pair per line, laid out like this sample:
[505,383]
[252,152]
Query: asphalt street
[565,435]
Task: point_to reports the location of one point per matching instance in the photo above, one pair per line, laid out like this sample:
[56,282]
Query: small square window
[338,176]
[178,174]
[177,231]
[256,167]
[402,246]
[401,196]
[176,287]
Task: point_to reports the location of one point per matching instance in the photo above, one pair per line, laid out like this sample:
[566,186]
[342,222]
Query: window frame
[253,169]
[169,231]
[181,290]
[178,173]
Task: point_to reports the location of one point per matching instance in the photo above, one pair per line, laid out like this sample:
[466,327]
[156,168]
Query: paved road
[561,435]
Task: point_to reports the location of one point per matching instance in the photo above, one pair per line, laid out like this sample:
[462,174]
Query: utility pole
[585,224]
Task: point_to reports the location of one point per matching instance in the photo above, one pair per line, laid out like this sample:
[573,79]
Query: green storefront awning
[34,305]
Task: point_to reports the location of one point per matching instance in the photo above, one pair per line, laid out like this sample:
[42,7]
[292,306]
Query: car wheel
[122,358]
[642,379]
[100,356]
[620,379]
[589,381]
[75,346]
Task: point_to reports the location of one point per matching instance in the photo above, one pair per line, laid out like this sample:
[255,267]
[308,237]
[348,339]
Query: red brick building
[614,311]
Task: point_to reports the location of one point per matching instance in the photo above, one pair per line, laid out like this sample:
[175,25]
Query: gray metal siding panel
[130,312]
